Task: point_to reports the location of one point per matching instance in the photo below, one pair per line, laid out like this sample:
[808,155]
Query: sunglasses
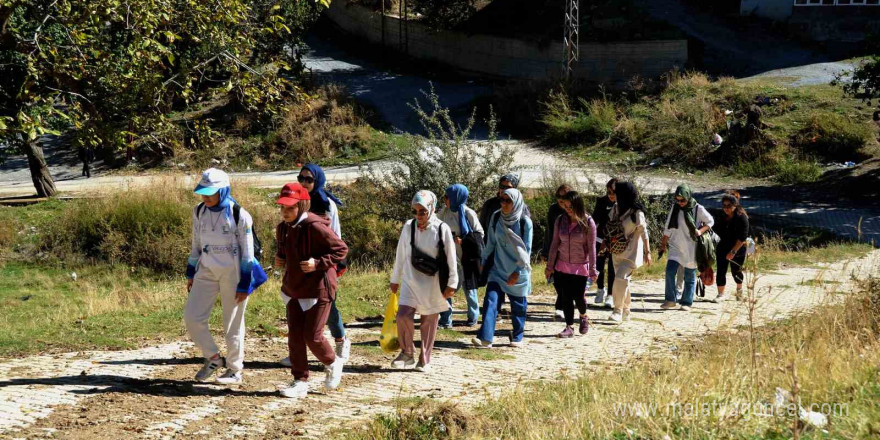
[506,200]
[305,179]
[420,212]
[680,200]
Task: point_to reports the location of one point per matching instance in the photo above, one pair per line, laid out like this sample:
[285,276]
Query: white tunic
[418,290]
[682,248]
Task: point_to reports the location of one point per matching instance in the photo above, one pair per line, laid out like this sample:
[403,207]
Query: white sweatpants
[197,313]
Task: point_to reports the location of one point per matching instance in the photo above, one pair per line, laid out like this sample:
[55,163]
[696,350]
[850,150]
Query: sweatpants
[600,265]
[623,271]
[306,329]
[570,293]
[197,313]
[736,267]
[406,330]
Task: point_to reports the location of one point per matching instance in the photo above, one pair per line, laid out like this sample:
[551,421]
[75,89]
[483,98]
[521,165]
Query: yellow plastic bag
[388,338]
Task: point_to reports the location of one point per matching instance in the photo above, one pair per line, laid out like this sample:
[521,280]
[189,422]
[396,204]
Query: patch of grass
[448,334]
[478,354]
[817,282]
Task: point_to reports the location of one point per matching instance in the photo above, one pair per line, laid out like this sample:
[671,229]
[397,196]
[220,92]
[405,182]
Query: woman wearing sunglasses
[687,221]
[506,257]
[733,228]
[324,204]
[425,245]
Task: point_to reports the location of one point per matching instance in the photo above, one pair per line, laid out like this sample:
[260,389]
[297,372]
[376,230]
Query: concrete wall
[508,57]
[773,9]
[838,23]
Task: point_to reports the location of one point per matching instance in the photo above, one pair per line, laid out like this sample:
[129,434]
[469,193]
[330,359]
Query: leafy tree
[115,72]
[865,80]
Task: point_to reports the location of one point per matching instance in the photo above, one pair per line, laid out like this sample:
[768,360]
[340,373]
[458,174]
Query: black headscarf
[627,198]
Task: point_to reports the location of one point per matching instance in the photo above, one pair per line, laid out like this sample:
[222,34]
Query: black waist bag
[427,264]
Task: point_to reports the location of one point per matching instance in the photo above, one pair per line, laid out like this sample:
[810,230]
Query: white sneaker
[609,302]
[424,368]
[286,362]
[210,367]
[334,373]
[479,343]
[616,317]
[600,297]
[517,344]
[296,390]
[626,315]
[403,361]
[343,349]
[230,378]
[685,308]
[721,298]
[560,315]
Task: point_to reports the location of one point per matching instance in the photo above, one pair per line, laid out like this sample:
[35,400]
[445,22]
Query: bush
[782,167]
[445,14]
[565,124]
[833,137]
[445,156]
[368,229]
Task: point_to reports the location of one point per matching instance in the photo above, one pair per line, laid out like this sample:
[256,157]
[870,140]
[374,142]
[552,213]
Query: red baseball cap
[291,194]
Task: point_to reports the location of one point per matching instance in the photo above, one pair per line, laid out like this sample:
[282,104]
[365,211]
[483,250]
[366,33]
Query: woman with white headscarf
[425,246]
[507,259]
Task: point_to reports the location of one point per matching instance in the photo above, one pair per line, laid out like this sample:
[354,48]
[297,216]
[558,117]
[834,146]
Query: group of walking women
[438,253]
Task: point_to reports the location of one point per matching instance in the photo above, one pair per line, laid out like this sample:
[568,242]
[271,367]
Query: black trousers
[600,266]
[736,267]
[570,293]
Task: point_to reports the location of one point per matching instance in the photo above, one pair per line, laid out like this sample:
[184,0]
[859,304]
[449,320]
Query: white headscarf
[428,200]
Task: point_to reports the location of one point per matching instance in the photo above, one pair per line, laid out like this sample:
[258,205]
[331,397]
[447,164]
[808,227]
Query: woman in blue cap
[468,233]
[220,263]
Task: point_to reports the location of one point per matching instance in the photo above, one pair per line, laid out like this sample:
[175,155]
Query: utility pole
[570,37]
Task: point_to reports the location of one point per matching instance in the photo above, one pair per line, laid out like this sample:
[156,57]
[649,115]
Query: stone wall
[507,57]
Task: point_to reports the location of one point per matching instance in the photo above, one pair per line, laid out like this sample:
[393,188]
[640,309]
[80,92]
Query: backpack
[236,214]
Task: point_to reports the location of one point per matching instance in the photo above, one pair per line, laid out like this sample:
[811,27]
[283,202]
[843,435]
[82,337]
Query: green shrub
[592,123]
[145,228]
[833,137]
[783,168]
[681,130]
[368,229]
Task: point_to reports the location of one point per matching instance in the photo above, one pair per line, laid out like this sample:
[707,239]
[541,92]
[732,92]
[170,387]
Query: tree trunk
[39,171]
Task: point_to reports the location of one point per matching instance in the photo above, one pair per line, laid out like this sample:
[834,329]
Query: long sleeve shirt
[508,258]
[417,289]
[730,230]
[219,245]
[682,247]
[573,248]
[492,205]
[451,219]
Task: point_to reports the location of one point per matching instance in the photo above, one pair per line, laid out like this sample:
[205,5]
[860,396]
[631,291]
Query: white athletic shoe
[343,349]
[609,302]
[685,308]
[517,344]
[334,373]
[479,343]
[626,315]
[721,298]
[424,368]
[616,317]
[559,315]
[296,390]
[600,297]
[230,377]
[286,362]
[210,367]
[403,361]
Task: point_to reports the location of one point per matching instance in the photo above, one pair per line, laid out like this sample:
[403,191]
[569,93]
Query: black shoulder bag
[427,264]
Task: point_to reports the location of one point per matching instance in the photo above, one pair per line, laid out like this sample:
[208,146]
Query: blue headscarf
[320,198]
[226,200]
[458,196]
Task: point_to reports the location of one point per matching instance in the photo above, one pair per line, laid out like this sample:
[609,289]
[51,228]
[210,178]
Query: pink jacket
[575,247]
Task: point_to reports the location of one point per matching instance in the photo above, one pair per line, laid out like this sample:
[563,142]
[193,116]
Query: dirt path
[148,393]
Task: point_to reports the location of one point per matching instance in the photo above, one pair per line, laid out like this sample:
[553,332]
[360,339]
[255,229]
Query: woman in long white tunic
[687,221]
